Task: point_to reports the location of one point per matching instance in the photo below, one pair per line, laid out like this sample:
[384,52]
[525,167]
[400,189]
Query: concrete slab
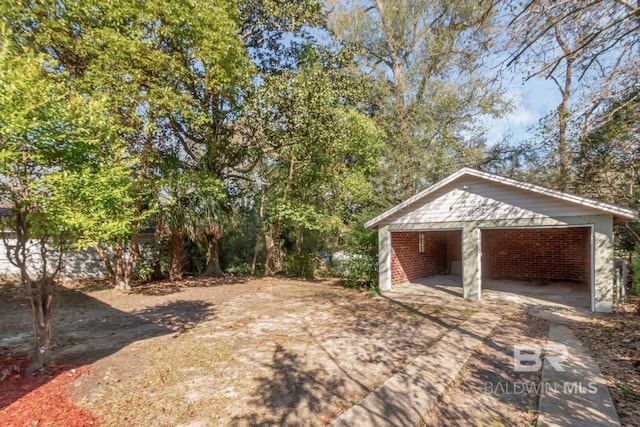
[577,396]
[551,293]
[554,301]
[436,290]
[404,398]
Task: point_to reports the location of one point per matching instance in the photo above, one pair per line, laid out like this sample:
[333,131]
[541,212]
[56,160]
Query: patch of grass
[624,389]
[444,398]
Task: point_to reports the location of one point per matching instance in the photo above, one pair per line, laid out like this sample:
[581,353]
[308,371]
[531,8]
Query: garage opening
[549,263]
[419,254]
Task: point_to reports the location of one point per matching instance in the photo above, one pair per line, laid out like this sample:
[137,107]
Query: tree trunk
[269,249]
[564,112]
[254,262]
[41,301]
[213,268]
[119,277]
[270,240]
[39,293]
[134,255]
[177,255]
[272,255]
[105,261]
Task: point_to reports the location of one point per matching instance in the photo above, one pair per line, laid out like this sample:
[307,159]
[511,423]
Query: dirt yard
[256,351]
[273,351]
[614,342]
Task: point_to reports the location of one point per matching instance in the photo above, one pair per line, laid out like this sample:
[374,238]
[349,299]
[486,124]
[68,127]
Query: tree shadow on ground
[86,330]
[293,390]
[156,287]
[297,387]
[166,287]
[178,316]
[489,388]
[89,284]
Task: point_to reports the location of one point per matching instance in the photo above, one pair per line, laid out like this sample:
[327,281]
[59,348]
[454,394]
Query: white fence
[77,264]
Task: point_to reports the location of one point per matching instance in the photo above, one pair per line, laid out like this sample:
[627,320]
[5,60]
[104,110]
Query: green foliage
[609,156]
[60,160]
[360,240]
[424,90]
[626,237]
[145,272]
[300,264]
[239,269]
[360,269]
[238,244]
[317,152]
[269,27]
[165,78]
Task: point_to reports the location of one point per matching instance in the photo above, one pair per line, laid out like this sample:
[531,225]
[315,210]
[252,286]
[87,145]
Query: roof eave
[620,214]
[374,222]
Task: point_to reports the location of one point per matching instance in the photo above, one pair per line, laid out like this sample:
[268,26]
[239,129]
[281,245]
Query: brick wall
[407,263]
[454,245]
[537,254]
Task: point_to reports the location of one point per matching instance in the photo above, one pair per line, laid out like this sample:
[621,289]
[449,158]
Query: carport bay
[474,271]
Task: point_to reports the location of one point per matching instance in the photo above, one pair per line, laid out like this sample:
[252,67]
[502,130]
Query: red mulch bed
[41,399]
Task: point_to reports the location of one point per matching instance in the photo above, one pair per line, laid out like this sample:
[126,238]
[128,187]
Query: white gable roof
[470,194]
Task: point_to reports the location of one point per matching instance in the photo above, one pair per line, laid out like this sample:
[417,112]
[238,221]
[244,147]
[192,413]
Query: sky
[532,100]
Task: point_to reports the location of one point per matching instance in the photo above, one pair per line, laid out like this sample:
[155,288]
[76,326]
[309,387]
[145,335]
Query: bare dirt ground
[237,352]
[614,342]
[277,351]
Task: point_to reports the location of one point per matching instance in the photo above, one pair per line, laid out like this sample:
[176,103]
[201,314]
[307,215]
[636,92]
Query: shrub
[358,267]
[242,269]
[300,264]
[359,270]
[144,273]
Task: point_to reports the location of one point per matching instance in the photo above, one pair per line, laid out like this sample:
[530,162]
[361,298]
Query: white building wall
[77,264]
[473,199]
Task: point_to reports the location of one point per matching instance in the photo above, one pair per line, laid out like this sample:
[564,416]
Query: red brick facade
[454,245]
[407,263]
[537,254]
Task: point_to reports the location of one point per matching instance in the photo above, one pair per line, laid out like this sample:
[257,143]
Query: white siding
[473,199]
[79,264]
[6,268]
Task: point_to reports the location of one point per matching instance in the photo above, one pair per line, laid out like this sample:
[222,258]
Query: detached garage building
[478,225]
